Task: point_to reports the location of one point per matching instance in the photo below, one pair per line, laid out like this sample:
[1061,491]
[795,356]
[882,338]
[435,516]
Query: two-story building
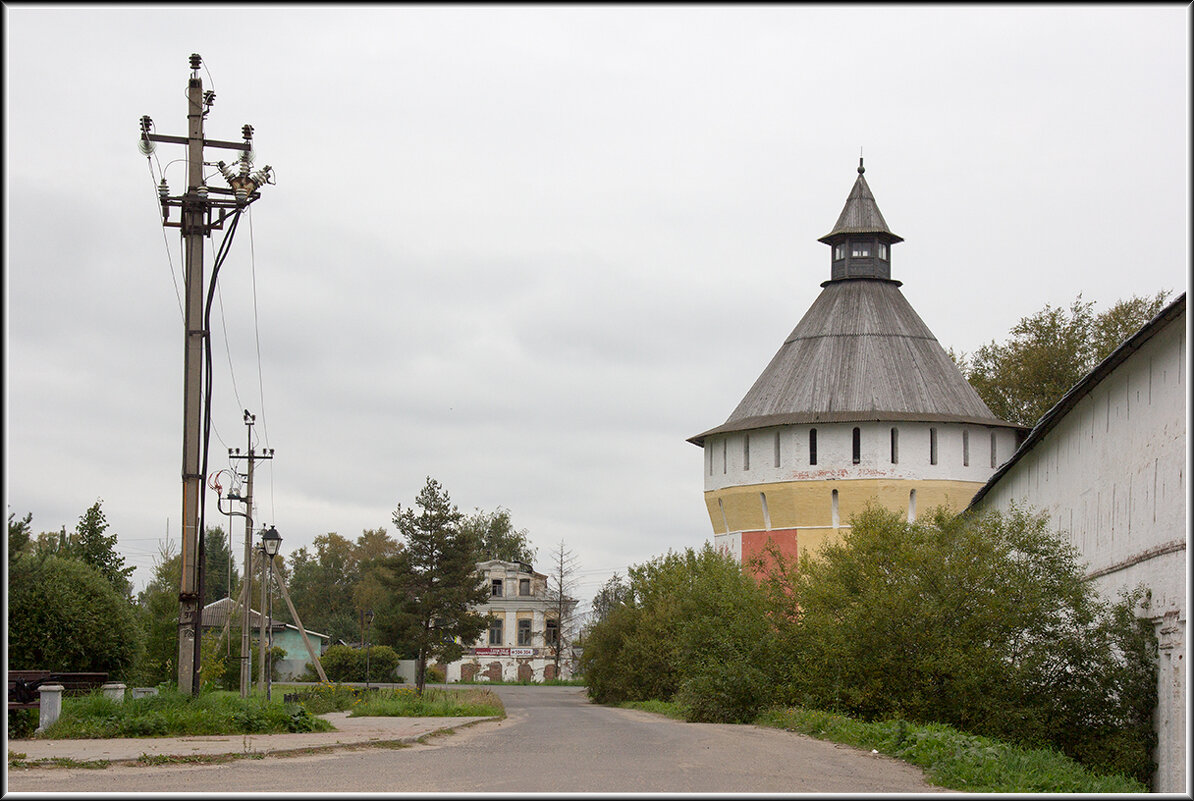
[521,643]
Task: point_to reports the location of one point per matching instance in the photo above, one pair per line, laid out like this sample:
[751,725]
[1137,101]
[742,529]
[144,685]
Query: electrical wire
[257,337]
[231,371]
[165,241]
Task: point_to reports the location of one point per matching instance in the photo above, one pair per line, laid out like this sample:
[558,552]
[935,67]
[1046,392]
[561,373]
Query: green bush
[171,713]
[21,723]
[435,675]
[693,627]
[982,622]
[63,615]
[342,663]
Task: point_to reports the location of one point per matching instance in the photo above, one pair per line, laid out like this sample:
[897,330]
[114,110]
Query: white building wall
[1111,475]
[726,460]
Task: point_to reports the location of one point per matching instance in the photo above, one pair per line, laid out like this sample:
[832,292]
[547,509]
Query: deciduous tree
[561,584]
[495,537]
[1050,351]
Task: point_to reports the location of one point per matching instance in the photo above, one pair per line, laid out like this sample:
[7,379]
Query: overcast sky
[529,251]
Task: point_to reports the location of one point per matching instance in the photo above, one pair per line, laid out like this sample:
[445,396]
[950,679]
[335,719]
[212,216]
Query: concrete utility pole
[197,206]
[245,655]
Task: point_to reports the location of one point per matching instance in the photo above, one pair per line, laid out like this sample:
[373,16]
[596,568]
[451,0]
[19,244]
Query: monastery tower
[861,403]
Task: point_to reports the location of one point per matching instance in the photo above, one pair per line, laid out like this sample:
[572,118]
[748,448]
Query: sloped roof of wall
[860,353]
[1051,418]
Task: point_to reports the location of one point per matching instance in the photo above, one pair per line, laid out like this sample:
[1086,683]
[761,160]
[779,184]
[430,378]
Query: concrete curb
[350,733]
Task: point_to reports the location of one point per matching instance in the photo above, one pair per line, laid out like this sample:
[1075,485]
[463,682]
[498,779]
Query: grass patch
[173,714]
[434,702]
[953,759]
[58,762]
[669,708]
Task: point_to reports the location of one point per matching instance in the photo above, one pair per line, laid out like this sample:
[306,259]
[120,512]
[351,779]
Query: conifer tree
[433,583]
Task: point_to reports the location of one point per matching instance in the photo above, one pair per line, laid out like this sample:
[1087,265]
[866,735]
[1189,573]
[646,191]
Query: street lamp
[270,542]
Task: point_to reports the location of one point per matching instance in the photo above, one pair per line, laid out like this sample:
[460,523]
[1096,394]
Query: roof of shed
[860,353]
[215,614]
[861,214]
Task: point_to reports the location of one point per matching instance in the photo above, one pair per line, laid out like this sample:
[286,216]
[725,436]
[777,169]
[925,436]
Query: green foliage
[91,546]
[494,537]
[220,578]
[613,593]
[408,702]
[982,622]
[64,615]
[693,628]
[953,759]
[20,535]
[433,583]
[173,714]
[342,663]
[22,723]
[1050,351]
[436,675]
[158,611]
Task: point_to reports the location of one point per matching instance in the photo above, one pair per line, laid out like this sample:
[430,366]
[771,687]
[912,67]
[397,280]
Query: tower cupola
[860,242]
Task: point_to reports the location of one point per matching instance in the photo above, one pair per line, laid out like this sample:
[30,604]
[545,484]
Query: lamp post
[369,635]
[270,542]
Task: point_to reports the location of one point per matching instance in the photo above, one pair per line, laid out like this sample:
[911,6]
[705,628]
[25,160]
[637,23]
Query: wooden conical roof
[860,353]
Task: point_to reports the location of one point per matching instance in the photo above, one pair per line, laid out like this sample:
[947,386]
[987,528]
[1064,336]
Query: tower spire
[860,240]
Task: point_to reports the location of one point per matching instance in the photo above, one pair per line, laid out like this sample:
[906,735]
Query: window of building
[766,513]
[883,251]
[551,633]
[524,586]
[812,446]
[912,506]
[723,455]
[746,451]
[993,462]
[495,632]
[965,448]
[895,445]
[524,632]
[710,459]
[777,449]
[857,446]
[932,446]
[860,249]
[839,252]
[497,588]
[833,508]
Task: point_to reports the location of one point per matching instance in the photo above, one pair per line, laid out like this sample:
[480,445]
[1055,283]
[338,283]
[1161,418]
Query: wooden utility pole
[198,204]
[245,656]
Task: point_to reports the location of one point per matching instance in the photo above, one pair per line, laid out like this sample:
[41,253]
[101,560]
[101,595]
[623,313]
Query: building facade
[522,640]
[1107,465]
[860,404]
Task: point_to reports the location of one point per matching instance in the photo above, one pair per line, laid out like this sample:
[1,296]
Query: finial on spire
[861,169]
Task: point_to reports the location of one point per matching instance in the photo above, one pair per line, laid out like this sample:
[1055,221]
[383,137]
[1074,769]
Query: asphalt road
[552,741]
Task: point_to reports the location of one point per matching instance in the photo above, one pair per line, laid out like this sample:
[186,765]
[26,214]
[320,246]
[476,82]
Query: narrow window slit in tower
[895,445]
[812,446]
[932,446]
[965,447]
[777,449]
[857,445]
[834,509]
[746,451]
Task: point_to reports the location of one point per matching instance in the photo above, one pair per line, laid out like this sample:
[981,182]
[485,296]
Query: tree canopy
[65,615]
[1050,351]
[432,582]
[494,537]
